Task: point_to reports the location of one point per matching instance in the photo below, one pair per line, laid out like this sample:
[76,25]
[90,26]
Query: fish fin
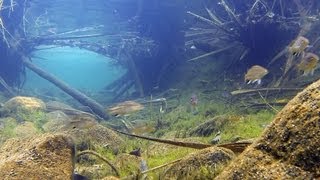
[254,81]
[312,72]
[259,81]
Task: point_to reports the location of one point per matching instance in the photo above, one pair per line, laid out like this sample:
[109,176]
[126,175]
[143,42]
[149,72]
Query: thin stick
[212,53]
[266,102]
[231,13]
[161,166]
[214,17]
[235,147]
[6,86]
[248,91]
[100,157]
[210,22]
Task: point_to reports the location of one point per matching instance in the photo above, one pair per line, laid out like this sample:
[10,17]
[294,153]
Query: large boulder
[40,157]
[24,103]
[289,148]
[203,164]
[85,130]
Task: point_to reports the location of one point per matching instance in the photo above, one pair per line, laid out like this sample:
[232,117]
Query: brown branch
[235,147]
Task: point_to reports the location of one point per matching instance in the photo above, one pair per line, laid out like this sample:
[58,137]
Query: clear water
[82,69]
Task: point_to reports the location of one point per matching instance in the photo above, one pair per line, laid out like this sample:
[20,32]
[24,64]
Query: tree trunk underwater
[82,98]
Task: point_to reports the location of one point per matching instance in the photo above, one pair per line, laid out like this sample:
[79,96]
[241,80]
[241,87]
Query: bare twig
[266,102]
[212,53]
[100,157]
[161,166]
[237,147]
[210,22]
[249,91]
[231,13]
[214,17]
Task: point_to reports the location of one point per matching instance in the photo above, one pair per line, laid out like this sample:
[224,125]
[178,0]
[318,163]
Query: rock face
[24,103]
[203,164]
[289,148]
[40,157]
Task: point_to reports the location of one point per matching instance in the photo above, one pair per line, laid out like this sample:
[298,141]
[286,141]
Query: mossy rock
[208,127]
[24,103]
[96,135]
[289,147]
[203,164]
[46,156]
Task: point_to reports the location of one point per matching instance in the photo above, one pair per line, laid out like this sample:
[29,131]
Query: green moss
[249,126]
[38,117]
[8,129]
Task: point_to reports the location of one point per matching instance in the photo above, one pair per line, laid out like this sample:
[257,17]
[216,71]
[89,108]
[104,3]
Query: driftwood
[235,147]
[82,98]
[249,91]
[102,158]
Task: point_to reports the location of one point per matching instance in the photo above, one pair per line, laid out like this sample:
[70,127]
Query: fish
[80,122]
[255,74]
[194,100]
[308,64]
[298,46]
[125,108]
[136,152]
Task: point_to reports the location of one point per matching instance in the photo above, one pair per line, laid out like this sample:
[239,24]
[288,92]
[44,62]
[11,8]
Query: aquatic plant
[247,126]
[38,117]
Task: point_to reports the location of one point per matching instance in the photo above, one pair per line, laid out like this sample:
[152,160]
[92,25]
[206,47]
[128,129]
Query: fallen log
[82,98]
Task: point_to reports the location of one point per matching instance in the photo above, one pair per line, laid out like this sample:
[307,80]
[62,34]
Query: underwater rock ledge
[289,147]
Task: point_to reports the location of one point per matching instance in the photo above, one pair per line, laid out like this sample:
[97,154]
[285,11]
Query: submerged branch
[6,87]
[212,53]
[235,147]
[82,98]
[210,22]
[248,91]
[100,157]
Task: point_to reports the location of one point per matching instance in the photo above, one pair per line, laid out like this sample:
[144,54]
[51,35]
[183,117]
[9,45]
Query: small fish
[194,100]
[298,46]
[308,64]
[255,74]
[80,122]
[136,152]
[216,139]
[125,108]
